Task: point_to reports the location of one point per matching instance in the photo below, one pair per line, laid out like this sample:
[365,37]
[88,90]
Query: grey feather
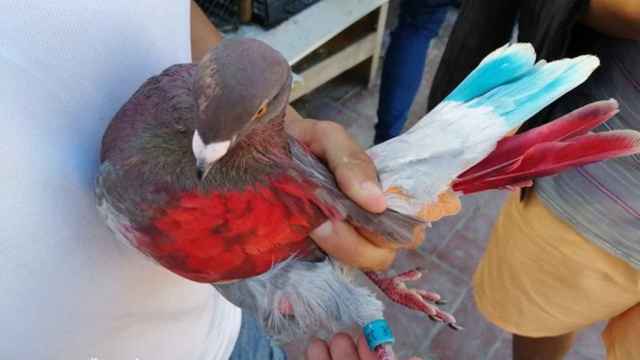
[394,226]
[323,295]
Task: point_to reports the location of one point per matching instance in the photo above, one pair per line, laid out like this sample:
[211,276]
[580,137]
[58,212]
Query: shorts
[540,278]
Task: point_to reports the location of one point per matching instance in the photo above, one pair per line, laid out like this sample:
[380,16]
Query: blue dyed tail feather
[515,87]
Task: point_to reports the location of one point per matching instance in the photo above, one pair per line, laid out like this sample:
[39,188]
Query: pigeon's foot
[415,299]
[385,352]
[285,308]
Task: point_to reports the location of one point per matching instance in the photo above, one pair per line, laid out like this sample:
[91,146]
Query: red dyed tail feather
[550,149]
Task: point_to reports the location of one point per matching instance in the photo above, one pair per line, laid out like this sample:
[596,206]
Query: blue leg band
[377,333]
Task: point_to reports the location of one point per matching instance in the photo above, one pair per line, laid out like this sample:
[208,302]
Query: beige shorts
[540,278]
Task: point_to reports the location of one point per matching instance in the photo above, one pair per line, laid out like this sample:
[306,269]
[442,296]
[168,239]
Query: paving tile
[365,102]
[503,350]
[462,253]
[477,341]
[478,226]
[579,356]
[467,243]
[325,109]
[439,233]
[363,133]
[335,90]
[490,202]
[442,230]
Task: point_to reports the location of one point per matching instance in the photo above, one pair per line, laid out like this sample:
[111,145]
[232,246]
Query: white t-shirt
[68,289]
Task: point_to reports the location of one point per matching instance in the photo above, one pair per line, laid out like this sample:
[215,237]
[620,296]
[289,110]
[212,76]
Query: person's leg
[254,344]
[622,335]
[542,348]
[419,22]
[541,280]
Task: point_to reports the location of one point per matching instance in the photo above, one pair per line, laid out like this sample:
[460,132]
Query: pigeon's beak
[207,155]
[202,169]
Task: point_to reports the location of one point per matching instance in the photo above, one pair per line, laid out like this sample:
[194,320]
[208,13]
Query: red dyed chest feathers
[227,235]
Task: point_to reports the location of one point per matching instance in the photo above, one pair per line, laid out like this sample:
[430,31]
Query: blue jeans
[254,344]
[418,23]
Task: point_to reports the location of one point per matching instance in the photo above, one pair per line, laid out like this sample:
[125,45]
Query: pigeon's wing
[387,227]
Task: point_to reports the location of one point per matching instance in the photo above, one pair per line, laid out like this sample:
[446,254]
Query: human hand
[356,177]
[342,347]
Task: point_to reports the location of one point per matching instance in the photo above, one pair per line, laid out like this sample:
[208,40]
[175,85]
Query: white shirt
[68,289]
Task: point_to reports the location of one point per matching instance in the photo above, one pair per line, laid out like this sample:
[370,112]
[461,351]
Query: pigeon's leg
[385,352]
[285,308]
[415,299]
[379,338]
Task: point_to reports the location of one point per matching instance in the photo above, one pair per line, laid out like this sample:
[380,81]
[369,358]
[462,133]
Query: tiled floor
[451,250]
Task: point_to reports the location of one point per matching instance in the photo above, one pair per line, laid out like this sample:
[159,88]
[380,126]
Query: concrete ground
[452,248]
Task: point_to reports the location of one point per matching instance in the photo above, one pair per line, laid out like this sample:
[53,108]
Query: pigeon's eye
[262,110]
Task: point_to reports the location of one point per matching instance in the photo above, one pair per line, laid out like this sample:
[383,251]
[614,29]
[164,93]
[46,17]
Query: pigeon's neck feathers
[260,151]
[266,136]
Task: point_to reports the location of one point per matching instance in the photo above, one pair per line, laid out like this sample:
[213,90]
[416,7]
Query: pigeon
[198,173]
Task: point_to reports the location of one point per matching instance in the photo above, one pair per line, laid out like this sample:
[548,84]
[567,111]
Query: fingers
[363,349]
[345,244]
[318,350]
[343,347]
[354,171]
[340,347]
[419,234]
[357,178]
[290,117]
[366,354]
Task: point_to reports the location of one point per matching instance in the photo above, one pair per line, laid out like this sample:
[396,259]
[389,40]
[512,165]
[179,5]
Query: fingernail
[315,338]
[323,230]
[368,188]
[374,195]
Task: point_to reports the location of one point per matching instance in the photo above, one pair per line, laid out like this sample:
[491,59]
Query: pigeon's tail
[514,87]
[507,88]
[549,149]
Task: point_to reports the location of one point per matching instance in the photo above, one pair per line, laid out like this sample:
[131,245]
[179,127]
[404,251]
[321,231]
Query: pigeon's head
[239,84]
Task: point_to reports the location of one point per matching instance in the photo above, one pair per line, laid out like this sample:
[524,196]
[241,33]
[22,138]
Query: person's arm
[619,18]
[203,34]
[354,171]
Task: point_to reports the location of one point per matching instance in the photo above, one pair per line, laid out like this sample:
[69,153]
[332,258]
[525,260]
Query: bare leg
[545,348]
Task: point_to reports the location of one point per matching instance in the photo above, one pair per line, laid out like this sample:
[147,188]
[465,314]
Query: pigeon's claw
[385,352]
[415,299]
